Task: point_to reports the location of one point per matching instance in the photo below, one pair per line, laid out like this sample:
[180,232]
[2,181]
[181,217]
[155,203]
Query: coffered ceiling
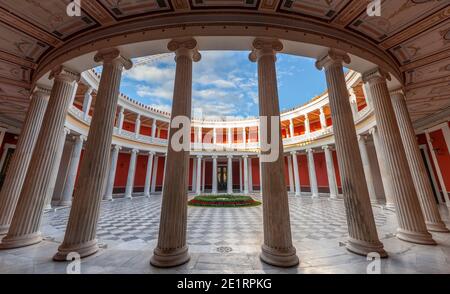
[416,33]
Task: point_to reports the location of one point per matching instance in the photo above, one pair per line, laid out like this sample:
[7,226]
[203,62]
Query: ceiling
[414,33]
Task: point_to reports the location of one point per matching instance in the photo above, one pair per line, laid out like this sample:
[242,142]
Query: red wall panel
[442,155]
[321,170]
[303,170]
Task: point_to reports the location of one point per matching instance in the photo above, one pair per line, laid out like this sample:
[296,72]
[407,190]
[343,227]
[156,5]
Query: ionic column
[363,237]
[417,167]
[244,136]
[384,171]
[229,137]
[154,128]
[296,174]
[87,103]
[277,248]
[244,159]
[26,221]
[172,249]
[291,176]
[250,174]
[148,174]
[154,175]
[214,136]
[194,175]
[131,172]
[199,135]
[323,120]
[353,103]
[307,126]
[312,173]
[214,175]
[362,142]
[230,175]
[81,228]
[120,119]
[66,198]
[21,157]
[112,173]
[332,183]
[199,175]
[137,125]
[291,128]
[411,222]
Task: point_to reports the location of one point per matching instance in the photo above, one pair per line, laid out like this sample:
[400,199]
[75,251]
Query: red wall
[442,155]
[321,171]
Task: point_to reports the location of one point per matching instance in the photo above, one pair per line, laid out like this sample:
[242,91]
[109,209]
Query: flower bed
[224,201]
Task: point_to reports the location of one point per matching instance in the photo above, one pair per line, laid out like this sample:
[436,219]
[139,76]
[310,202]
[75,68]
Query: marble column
[290,174]
[363,237]
[412,227]
[137,125]
[21,157]
[198,187]
[203,175]
[148,174]
[362,143]
[296,174]
[240,176]
[244,136]
[81,228]
[312,173]
[291,128]
[277,248]
[250,174]
[214,136]
[384,171]
[26,221]
[323,120]
[214,175]
[75,157]
[87,103]
[154,175]
[154,128]
[112,173]
[353,103]
[229,137]
[415,161]
[199,135]
[230,175]
[130,177]
[244,158]
[194,175]
[120,119]
[172,249]
[331,173]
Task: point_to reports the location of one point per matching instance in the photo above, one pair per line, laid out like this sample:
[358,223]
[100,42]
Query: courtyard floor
[228,240]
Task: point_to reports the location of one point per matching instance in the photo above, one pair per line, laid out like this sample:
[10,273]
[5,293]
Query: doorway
[222,173]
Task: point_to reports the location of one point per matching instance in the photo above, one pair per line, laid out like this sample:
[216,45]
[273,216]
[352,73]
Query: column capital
[116,147]
[66,131]
[376,74]
[326,147]
[310,150]
[134,150]
[245,156]
[373,130]
[263,47]
[321,110]
[42,92]
[151,153]
[112,55]
[398,92]
[214,157]
[89,90]
[80,137]
[230,156]
[138,116]
[362,137]
[199,156]
[293,152]
[333,56]
[185,47]
[121,109]
[63,73]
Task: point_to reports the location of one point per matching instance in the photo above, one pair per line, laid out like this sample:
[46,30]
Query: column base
[433,227]
[128,197]
[22,241]
[364,248]
[170,258]
[278,257]
[65,203]
[424,238]
[84,250]
[315,196]
[147,195]
[390,206]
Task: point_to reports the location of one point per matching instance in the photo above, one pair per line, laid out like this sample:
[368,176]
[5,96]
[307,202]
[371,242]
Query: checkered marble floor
[138,220]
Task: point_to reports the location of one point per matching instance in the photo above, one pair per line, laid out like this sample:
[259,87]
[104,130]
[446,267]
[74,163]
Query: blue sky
[224,83]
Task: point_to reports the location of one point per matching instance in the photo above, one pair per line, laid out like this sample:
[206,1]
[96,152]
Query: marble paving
[227,240]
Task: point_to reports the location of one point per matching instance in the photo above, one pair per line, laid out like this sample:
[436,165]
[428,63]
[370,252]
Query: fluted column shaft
[363,237]
[130,176]
[331,174]
[277,248]
[244,158]
[154,175]
[230,175]
[411,222]
[312,174]
[21,158]
[148,174]
[194,175]
[296,174]
[214,175]
[172,249]
[362,141]
[250,175]
[81,229]
[417,167]
[72,171]
[112,173]
[25,224]
[87,102]
[290,174]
